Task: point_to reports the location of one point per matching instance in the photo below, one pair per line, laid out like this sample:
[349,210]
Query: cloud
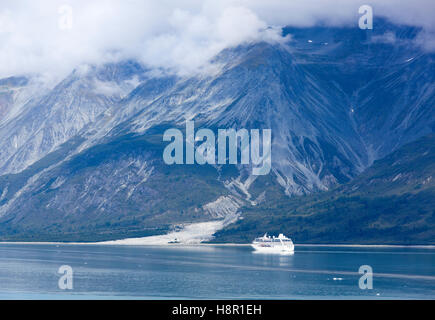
[180,36]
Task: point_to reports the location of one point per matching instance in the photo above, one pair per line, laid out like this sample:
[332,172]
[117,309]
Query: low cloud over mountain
[53,37]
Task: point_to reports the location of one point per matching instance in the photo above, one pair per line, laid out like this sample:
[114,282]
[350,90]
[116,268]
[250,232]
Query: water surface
[29,271]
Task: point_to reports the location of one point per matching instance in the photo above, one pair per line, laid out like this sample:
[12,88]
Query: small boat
[268,244]
[174,241]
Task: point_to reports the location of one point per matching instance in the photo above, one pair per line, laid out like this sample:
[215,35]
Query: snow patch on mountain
[224,206]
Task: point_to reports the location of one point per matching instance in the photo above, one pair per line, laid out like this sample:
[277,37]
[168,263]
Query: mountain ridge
[325,101]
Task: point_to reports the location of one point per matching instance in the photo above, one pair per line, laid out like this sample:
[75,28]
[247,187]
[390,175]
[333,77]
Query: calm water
[218,272]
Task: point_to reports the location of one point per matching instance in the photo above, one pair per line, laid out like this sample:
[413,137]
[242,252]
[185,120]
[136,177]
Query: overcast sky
[182,35]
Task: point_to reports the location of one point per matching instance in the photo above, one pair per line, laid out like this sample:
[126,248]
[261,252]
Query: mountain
[392,202]
[53,116]
[83,160]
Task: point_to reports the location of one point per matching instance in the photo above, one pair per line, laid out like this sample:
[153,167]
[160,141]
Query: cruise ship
[268,244]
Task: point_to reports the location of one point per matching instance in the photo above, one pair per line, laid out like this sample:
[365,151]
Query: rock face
[50,118]
[83,160]
[391,202]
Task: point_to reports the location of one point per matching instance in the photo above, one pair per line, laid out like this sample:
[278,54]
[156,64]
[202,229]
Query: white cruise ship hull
[273,249]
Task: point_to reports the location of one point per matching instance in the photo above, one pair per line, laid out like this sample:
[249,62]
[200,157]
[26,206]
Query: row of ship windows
[272,240]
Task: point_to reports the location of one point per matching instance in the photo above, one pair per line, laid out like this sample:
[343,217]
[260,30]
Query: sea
[85,271]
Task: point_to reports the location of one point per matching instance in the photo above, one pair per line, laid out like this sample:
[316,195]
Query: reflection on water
[213,272]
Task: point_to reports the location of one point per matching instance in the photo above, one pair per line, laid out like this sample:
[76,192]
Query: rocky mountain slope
[83,160]
[392,202]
